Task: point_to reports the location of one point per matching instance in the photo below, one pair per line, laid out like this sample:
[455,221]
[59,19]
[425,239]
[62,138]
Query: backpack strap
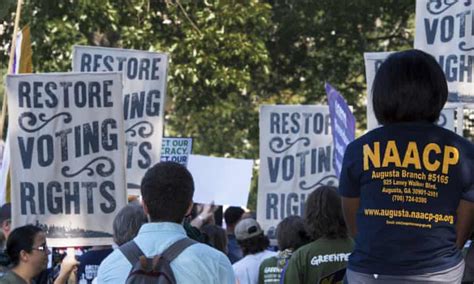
[131,251]
[177,248]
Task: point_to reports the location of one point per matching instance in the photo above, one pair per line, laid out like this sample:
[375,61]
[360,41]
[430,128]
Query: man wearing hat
[250,237]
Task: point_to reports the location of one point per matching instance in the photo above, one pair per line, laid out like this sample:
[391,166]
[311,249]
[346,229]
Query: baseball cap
[246,229]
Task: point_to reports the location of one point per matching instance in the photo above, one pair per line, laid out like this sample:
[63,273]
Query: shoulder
[207,255]
[114,268]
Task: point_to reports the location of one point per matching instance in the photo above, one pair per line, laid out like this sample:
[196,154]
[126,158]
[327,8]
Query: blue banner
[342,124]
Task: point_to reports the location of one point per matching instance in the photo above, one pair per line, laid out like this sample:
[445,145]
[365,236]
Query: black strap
[177,248]
[131,251]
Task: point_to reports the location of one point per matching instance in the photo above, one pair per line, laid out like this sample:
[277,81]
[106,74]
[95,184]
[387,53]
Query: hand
[208,211]
[68,265]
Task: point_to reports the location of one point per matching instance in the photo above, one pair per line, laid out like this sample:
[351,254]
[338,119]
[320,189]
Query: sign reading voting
[67,144]
[176,149]
[373,60]
[144,89]
[296,155]
[445,29]
[342,124]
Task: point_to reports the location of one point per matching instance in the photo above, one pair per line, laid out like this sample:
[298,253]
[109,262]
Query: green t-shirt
[321,261]
[271,268]
[12,278]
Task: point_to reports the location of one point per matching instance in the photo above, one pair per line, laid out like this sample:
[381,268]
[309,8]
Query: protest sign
[144,90]
[224,181]
[176,149]
[342,125]
[67,154]
[295,158]
[445,29]
[373,60]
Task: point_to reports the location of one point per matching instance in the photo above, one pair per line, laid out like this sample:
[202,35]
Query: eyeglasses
[43,247]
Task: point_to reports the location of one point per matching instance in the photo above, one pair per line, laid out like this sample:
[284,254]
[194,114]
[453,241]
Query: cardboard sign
[144,90]
[67,154]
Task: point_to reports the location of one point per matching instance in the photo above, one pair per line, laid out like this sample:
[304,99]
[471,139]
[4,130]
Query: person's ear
[24,256]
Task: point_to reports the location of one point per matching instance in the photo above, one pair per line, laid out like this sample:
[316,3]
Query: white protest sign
[144,90]
[224,181]
[373,60]
[445,29]
[296,156]
[176,149]
[67,154]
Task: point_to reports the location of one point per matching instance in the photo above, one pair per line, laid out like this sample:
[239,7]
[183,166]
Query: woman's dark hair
[254,245]
[127,223]
[215,236]
[409,86]
[22,238]
[291,233]
[323,214]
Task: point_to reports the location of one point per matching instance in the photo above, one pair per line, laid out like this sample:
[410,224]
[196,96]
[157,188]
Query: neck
[23,272]
[230,230]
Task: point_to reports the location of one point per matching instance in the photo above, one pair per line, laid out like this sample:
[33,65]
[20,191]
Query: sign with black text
[174,149]
[296,155]
[67,154]
[144,89]
[445,29]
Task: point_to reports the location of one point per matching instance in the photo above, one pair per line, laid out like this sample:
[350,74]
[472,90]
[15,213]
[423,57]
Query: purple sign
[342,123]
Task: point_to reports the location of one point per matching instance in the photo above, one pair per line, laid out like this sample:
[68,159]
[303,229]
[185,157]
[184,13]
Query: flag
[22,63]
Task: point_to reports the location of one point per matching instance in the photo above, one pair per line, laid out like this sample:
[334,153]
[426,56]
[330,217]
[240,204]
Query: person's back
[324,259]
[167,190]
[89,263]
[408,186]
[291,235]
[232,216]
[418,234]
[319,259]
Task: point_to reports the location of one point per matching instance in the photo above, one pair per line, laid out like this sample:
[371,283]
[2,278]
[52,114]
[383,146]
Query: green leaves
[227,57]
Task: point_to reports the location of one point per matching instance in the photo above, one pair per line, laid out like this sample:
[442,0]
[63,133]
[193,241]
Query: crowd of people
[345,235]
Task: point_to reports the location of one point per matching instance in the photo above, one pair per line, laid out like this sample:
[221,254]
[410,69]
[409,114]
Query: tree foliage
[227,57]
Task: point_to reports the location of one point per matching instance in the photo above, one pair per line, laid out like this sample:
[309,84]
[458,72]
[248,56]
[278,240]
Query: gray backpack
[156,269]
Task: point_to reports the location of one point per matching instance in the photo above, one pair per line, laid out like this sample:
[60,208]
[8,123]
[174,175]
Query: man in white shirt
[167,190]
[253,243]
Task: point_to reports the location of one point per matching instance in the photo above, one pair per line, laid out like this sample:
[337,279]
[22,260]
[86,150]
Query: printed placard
[176,149]
[445,29]
[67,154]
[296,154]
[144,89]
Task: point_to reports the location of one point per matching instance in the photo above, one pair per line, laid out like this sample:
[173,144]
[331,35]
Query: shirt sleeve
[349,185]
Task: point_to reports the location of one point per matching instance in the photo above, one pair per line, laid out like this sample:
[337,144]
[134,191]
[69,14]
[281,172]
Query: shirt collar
[162,227]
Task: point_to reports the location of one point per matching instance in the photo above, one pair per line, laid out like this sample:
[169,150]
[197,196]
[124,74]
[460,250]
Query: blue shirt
[410,178]
[234,252]
[198,263]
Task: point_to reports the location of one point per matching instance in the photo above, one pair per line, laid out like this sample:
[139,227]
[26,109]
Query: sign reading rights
[67,144]
[144,90]
[445,29]
[296,155]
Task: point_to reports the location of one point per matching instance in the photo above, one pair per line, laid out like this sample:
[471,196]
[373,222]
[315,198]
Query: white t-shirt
[246,269]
